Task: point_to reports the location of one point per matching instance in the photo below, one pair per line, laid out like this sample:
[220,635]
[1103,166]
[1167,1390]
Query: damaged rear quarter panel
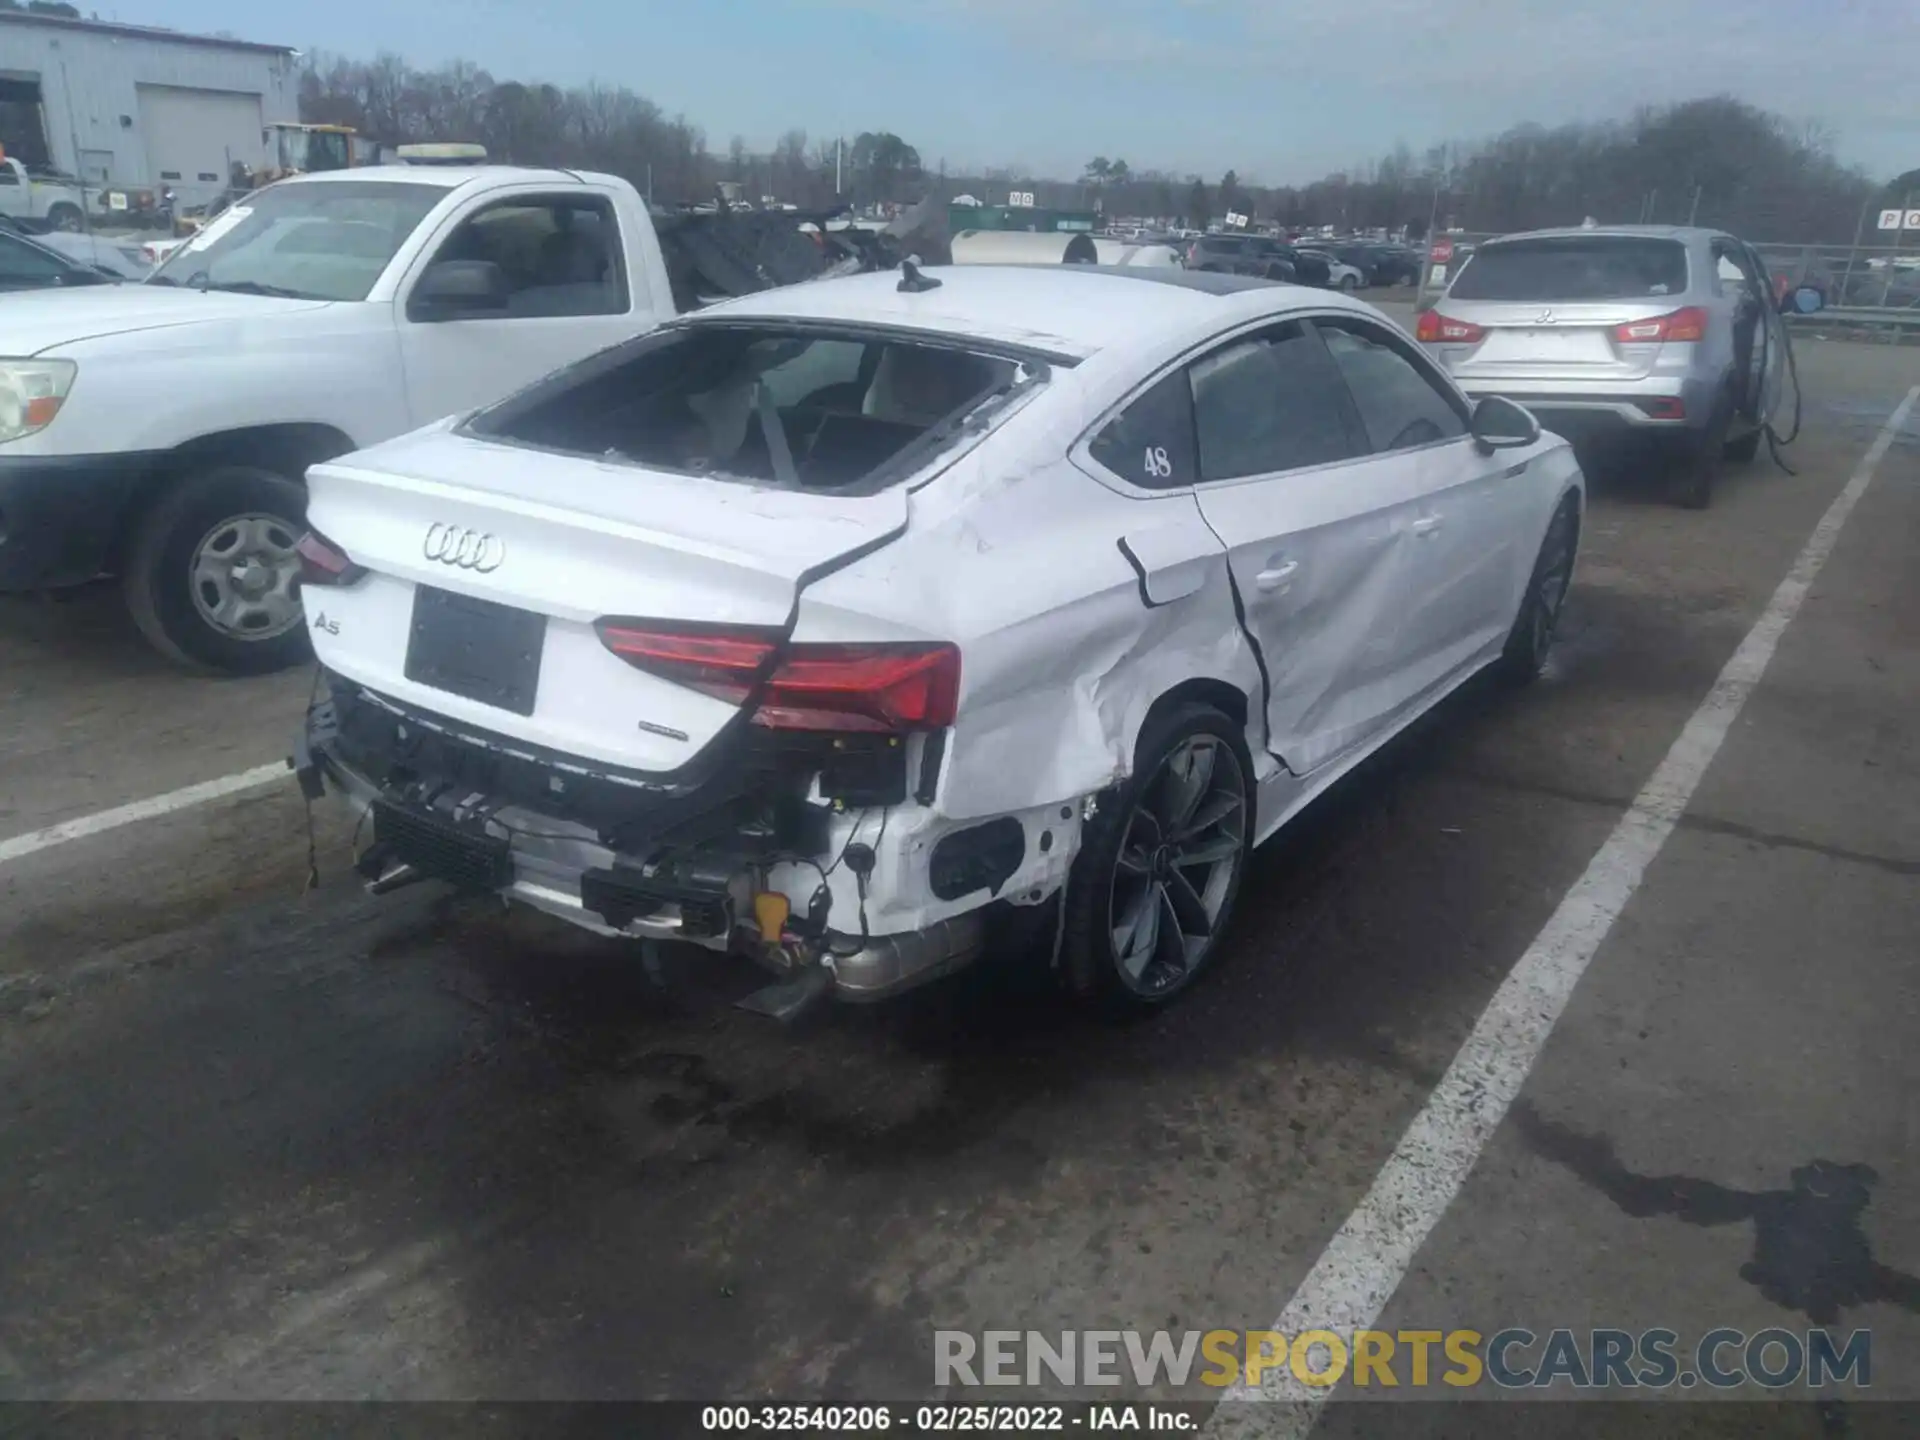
[1062,655]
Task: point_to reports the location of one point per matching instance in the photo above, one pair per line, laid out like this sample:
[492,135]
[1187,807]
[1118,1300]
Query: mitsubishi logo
[468,549]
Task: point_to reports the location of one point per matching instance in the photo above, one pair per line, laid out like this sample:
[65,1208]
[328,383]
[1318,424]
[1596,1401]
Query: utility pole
[1694,209]
[73,135]
[839,154]
[1906,206]
[1853,254]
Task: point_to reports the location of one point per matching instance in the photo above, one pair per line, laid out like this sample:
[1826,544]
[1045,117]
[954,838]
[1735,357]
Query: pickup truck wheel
[1153,887]
[212,578]
[66,217]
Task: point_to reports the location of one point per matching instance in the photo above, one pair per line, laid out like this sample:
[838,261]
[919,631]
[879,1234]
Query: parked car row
[1325,264]
[1260,256]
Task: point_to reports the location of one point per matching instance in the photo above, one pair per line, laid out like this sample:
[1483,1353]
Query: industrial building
[134,106]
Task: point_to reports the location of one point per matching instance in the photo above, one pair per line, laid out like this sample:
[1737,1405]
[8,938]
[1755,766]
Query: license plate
[116,202]
[1551,345]
[476,648]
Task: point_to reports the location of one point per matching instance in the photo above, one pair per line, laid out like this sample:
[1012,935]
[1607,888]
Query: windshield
[812,409]
[316,150]
[1611,267]
[305,241]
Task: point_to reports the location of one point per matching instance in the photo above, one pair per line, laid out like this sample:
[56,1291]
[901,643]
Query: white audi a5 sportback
[836,625]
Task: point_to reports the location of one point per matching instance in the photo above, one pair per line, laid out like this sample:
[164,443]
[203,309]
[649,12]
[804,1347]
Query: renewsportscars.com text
[1514,1358]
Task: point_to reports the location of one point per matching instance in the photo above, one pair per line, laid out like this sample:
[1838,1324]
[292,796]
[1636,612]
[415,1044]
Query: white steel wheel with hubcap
[212,578]
[1160,866]
[1531,639]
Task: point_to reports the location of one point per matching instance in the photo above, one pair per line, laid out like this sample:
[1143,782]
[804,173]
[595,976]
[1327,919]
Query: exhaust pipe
[397,878]
[384,872]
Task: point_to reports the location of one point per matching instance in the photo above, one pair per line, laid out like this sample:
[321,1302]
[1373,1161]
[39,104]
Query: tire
[185,565]
[66,217]
[1125,866]
[1742,451]
[1349,284]
[1698,467]
[1531,639]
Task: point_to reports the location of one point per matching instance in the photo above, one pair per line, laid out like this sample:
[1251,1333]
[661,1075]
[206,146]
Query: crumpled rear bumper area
[681,857]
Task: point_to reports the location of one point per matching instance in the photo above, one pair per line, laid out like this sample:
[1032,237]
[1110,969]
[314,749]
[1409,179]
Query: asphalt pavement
[263,1141]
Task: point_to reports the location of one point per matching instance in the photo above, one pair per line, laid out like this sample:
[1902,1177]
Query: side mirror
[455,289]
[1804,300]
[1499,424]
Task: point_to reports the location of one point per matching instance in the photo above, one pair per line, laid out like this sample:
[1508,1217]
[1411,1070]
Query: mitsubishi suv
[1666,333]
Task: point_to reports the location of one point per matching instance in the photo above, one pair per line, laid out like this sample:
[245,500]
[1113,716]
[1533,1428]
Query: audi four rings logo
[469,549]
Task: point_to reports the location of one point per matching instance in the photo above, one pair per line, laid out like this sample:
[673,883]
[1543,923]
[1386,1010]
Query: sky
[1281,92]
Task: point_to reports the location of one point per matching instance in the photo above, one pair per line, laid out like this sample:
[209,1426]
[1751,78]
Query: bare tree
[1717,158]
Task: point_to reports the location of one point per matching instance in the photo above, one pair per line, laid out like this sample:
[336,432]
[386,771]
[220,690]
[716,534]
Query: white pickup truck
[160,432]
[39,197]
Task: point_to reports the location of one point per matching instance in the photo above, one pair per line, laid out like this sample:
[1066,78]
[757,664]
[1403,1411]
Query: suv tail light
[878,687]
[1435,328]
[324,563]
[1687,324]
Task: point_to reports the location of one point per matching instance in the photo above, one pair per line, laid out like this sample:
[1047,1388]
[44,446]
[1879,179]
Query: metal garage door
[193,135]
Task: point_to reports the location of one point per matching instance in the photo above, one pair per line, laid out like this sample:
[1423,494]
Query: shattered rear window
[800,408]
[1596,267]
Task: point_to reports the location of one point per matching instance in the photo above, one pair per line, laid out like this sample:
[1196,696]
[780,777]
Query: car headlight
[31,394]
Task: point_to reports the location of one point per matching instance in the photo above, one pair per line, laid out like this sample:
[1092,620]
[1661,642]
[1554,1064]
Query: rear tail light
[324,563]
[1434,328]
[1680,325]
[880,687]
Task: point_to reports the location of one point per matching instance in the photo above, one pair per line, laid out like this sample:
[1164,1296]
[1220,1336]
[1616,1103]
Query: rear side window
[807,409]
[1398,402]
[1151,442]
[1268,403]
[1612,267]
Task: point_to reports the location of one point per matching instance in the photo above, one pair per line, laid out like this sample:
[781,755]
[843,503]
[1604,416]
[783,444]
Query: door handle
[1274,578]
[1426,524]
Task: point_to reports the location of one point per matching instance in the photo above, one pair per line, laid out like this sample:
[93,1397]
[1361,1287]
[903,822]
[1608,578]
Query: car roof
[447,177]
[1644,232]
[1074,310]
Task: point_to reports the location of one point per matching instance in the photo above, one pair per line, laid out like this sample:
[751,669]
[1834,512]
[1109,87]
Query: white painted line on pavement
[23,845]
[1364,1263]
